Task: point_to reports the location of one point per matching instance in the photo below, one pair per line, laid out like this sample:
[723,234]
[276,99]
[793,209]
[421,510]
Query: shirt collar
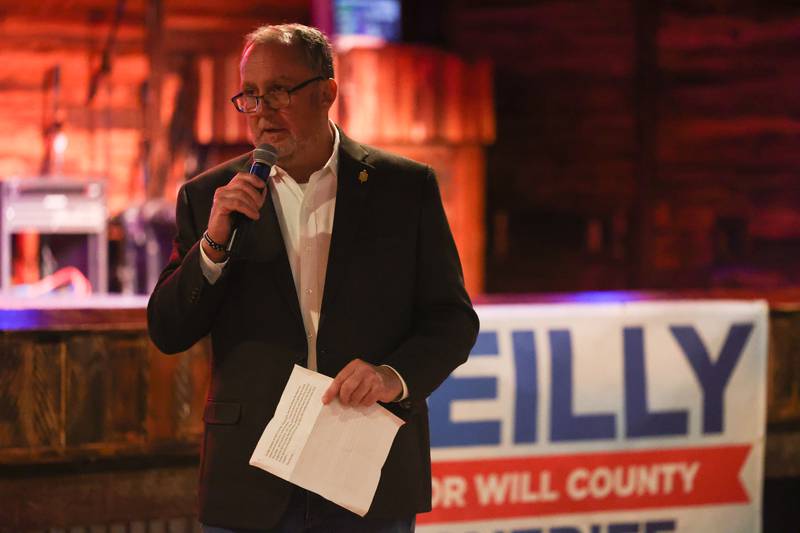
[333,160]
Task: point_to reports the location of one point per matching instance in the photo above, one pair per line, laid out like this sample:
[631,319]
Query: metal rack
[55,206]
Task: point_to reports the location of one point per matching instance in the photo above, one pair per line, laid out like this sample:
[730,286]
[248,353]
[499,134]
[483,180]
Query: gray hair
[315,46]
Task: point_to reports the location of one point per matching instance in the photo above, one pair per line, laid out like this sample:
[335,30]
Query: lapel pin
[363,176]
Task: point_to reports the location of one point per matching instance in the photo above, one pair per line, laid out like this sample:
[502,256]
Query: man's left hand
[360,383]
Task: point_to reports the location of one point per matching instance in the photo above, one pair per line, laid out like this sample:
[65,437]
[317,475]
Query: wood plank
[32,386]
[83,499]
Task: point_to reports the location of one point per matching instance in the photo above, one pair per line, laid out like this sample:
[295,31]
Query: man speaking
[343,262]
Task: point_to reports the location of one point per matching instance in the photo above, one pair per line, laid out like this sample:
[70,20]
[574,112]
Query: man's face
[290,130]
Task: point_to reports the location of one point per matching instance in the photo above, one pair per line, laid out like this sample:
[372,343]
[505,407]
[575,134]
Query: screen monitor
[366,22]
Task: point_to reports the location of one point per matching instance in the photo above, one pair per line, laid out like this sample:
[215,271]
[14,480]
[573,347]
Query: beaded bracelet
[214,245]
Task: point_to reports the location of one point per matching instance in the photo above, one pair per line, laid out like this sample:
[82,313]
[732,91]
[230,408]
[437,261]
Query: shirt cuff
[402,382]
[211,270]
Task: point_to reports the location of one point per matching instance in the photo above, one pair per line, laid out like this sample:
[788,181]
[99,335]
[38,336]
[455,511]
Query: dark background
[640,144]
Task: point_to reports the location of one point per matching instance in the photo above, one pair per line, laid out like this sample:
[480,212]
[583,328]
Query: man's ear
[328,92]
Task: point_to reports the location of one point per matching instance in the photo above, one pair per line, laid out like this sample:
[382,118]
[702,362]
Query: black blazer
[394,294]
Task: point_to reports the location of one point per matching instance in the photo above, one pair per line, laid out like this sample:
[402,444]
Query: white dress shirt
[305,215]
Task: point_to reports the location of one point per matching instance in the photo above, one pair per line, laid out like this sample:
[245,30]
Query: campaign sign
[604,418]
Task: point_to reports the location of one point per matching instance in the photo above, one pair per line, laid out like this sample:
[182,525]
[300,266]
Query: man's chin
[283,147]
[274,137]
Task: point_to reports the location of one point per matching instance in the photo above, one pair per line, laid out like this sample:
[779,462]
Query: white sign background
[598,387]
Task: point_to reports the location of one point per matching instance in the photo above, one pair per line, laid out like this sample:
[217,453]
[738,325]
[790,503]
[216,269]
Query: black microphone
[264,156]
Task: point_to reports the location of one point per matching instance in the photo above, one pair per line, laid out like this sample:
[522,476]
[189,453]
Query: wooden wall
[563,154]
[419,101]
[106,133]
[617,167]
[729,132]
[99,431]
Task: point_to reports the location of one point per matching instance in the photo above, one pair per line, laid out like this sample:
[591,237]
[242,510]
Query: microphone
[264,156]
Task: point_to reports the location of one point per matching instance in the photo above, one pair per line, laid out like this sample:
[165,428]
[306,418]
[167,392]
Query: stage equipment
[62,207]
[148,230]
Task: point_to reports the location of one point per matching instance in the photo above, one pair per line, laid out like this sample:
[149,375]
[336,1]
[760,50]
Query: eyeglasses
[276,98]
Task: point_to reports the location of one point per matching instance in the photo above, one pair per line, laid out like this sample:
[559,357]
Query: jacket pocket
[222,412]
[403,409]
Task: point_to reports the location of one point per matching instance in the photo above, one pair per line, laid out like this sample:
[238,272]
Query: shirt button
[309,335]
[309,291]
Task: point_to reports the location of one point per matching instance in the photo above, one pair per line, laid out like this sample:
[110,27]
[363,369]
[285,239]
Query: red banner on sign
[580,483]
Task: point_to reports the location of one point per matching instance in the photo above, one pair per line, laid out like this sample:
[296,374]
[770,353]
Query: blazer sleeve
[445,326]
[183,305]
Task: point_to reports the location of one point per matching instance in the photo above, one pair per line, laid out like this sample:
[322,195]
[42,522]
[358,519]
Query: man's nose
[264,116]
[265,110]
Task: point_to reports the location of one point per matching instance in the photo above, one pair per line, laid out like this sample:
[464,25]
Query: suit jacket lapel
[264,244]
[265,240]
[351,196]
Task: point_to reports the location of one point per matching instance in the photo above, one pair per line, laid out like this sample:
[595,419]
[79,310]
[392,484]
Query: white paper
[331,450]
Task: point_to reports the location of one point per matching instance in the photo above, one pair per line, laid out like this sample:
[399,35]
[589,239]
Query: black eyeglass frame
[260,99]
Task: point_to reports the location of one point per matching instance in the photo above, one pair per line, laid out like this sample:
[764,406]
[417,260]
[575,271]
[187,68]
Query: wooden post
[646,80]
[155,140]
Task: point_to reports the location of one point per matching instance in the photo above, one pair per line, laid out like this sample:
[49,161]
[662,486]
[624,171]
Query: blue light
[605,296]
[20,319]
